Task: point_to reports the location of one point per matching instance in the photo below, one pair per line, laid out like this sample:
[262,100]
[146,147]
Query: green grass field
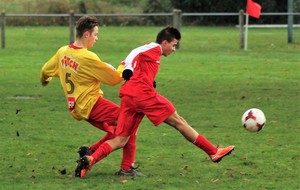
[210,81]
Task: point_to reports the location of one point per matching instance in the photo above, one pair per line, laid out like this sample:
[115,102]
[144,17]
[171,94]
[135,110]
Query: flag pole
[246,32]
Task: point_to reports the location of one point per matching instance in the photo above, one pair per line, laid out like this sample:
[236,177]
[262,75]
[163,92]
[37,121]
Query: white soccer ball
[253,120]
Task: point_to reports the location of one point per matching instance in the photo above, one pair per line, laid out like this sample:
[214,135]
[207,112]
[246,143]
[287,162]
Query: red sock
[205,145]
[103,150]
[95,146]
[129,153]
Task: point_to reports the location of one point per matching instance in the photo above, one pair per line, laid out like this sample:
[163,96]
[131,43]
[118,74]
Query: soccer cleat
[83,165]
[131,172]
[84,150]
[78,169]
[221,153]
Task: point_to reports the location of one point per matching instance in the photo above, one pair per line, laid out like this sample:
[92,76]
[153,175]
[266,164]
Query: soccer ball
[253,120]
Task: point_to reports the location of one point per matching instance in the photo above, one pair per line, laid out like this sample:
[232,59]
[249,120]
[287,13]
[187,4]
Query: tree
[157,6]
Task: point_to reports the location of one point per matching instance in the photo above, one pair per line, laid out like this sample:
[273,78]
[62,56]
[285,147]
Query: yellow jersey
[80,72]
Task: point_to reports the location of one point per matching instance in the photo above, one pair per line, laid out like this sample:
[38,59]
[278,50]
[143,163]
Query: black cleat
[83,151]
[82,163]
[132,172]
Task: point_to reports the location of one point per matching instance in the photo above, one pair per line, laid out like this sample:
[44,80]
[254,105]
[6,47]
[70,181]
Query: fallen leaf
[215,180]
[18,110]
[123,179]
[184,167]
[246,180]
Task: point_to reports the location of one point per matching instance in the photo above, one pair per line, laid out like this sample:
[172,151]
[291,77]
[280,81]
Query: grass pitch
[210,81]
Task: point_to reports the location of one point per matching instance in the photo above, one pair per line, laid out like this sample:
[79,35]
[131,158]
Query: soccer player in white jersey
[81,72]
[139,98]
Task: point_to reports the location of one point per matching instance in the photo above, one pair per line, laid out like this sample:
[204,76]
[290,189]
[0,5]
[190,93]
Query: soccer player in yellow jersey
[81,72]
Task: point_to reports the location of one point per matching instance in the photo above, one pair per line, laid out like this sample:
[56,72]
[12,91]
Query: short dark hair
[168,33]
[85,23]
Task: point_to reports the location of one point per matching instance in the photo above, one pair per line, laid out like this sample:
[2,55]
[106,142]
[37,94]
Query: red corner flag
[253,9]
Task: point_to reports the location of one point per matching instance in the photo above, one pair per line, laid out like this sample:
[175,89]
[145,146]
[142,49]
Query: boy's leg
[216,154]
[160,109]
[104,116]
[85,163]
[105,148]
[128,124]
[96,145]
[129,151]
[127,165]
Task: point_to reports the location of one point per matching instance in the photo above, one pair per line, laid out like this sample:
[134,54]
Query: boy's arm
[48,71]
[107,74]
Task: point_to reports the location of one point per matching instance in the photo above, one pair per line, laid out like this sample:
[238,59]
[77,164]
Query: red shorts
[104,115]
[157,109]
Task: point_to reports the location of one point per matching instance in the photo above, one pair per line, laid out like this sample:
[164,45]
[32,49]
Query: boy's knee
[123,141]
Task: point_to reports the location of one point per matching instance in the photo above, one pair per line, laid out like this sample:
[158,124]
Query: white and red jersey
[144,62]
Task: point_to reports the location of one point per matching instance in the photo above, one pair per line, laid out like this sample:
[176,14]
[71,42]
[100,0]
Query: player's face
[169,47]
[92,37]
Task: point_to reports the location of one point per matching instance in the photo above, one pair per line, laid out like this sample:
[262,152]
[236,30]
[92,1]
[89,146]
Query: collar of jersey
[74,47]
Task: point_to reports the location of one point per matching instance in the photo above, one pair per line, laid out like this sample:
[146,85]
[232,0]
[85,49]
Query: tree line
[225,6]
[146,6]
